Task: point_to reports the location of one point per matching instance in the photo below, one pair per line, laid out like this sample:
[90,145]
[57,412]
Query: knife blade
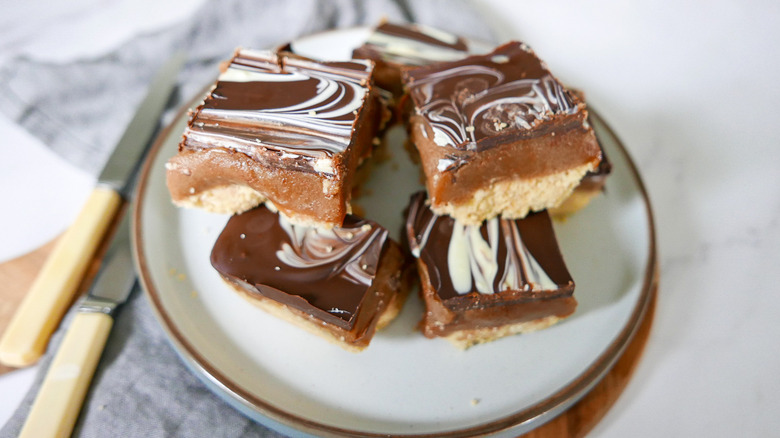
[61,395]
[132,145]
[27,335]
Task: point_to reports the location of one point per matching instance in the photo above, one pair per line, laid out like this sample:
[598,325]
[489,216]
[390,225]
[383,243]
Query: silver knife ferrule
[91,304]
[113,184]
[116,278]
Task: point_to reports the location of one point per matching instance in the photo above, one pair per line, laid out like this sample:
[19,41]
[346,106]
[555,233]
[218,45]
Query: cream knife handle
[54,412]
[27,335]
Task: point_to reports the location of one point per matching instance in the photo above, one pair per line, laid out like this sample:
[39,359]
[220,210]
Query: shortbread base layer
[514,199]
[464,339]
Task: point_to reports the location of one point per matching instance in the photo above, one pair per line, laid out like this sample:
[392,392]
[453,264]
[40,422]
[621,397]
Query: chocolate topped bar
[504,128]
[392,46]
[280,128]
[341,280]
[325,272]
[481,282]
[412,44]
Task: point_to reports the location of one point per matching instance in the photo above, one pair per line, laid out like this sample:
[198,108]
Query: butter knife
[27,335]
[59,400]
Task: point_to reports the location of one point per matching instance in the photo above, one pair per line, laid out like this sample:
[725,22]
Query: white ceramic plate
[403,383]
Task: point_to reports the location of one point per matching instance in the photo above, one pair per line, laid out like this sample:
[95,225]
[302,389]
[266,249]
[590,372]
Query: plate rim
[540,413]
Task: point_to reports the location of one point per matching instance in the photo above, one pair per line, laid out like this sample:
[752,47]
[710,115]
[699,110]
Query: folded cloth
[73,107]
[141,388]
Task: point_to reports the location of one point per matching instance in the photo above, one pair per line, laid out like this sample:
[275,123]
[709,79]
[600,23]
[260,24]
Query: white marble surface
[691,89]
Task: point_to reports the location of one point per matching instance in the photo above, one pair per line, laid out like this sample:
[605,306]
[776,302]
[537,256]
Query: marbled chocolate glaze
[497,256]
[506,92]
[325,273]
[299,108]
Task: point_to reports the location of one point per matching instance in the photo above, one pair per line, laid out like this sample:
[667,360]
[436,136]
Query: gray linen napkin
[141,388]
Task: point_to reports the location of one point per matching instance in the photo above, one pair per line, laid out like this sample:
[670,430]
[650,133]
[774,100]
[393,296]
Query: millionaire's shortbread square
[487,281]
[280,129]
[498,134]
[342,283]
[393,46]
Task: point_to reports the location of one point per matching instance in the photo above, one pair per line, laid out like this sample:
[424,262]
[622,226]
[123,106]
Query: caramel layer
[275,120]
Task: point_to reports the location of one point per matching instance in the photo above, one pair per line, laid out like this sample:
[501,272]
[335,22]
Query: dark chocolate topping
[467,263]
[478,102]
[285,103]
[325,273]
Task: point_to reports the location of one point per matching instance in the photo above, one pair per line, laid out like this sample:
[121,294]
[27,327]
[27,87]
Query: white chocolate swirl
[507,91]
[329,113]
[343,251]
[474,261]
[483,105]
[289,105]
[496,256]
